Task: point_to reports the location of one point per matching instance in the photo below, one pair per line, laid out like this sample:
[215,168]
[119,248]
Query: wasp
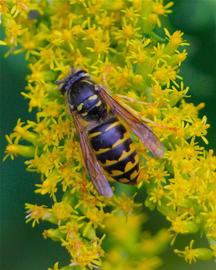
[105,142]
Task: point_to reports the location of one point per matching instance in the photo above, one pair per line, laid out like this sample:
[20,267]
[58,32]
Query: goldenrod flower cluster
[124,46]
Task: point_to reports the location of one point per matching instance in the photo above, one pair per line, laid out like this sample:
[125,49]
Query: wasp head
[67,83]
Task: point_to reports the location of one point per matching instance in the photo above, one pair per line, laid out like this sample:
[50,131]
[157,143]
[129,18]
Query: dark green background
[23,248]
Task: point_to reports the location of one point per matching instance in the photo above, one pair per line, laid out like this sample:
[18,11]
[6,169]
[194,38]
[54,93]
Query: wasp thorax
[83,98]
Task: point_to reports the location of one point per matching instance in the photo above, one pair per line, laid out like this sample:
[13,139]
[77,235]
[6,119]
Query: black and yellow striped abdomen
[115,151]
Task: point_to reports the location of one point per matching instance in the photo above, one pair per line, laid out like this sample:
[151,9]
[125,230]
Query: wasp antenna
[60,81]
[73,69]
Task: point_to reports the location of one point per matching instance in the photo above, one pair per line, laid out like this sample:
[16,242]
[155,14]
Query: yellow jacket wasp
[105,142]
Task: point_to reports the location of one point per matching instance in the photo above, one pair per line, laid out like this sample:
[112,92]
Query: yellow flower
[14,148]
[35,213]
[191,255]
[160,9]
[127,33]
[48,186]
[116,42]
[61,210]
[175,40]
[3,7]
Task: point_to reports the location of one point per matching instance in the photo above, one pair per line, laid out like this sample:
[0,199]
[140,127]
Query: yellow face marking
[80,106]
[95,134]
[87,81]
[117,123]
[84,114]
[93,97]
[130,164]
[125,137]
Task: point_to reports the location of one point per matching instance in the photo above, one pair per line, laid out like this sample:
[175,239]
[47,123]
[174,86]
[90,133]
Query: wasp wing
[143,131]
[92,166]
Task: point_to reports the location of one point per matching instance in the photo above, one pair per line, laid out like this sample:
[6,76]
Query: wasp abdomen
[115,151]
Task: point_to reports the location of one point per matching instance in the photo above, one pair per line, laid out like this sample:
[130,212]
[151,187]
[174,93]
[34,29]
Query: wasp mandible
[105,141]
